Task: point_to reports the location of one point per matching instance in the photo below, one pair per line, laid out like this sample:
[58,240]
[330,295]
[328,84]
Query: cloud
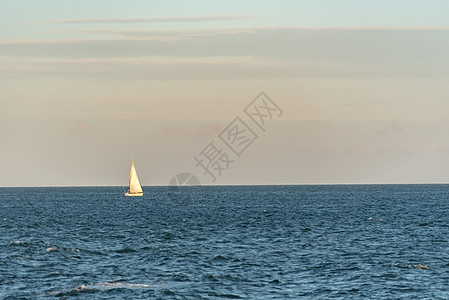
[429,148]
[398,126]
[177,129]
[43,42]
[175,68]
[444,123]
[272,52]
[80,127]
[147,68]
[181,19]
[171,33]
[210,32]
[210,129]
[320,123]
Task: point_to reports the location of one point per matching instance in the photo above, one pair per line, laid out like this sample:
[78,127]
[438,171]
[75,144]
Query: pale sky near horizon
[87,85]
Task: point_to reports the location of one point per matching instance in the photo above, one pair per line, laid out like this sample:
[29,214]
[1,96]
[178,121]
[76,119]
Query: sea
[226,242]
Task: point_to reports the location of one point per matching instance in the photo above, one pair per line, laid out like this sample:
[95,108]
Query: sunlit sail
[134,185]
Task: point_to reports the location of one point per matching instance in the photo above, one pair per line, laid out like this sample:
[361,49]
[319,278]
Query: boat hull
[133,194]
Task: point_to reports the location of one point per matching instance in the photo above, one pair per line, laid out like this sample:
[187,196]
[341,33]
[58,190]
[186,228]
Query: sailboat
[134,185]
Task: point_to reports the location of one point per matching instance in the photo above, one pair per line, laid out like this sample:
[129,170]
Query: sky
[357,89]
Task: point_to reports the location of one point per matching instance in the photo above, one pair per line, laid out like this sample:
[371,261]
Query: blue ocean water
[226,242]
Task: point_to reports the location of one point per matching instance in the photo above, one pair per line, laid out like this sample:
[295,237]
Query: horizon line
[212,185]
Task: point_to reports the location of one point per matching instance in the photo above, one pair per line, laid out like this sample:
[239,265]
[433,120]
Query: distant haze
[363,89]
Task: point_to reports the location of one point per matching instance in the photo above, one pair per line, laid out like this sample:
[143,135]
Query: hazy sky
[87,85]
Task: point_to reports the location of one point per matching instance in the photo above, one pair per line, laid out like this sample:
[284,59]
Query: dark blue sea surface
[226,242]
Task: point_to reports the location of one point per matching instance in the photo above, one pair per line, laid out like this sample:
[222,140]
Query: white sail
[134,184]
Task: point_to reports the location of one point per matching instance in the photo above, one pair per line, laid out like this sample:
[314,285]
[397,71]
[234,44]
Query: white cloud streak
[179,19]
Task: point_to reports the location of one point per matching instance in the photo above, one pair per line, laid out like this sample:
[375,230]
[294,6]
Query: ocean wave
[102,286]
[125,250]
